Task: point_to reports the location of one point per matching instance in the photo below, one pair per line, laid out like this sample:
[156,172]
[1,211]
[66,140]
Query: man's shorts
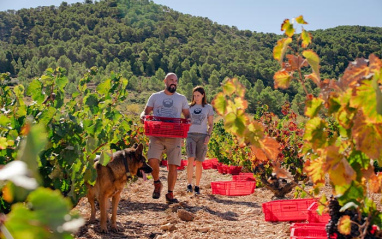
[171,146]
[195,146]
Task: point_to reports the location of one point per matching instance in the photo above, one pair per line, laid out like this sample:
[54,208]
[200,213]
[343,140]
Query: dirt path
[216,216]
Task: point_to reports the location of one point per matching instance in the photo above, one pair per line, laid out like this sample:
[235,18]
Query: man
[166,103]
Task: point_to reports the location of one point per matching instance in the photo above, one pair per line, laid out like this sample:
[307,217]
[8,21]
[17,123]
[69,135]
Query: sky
[259,15]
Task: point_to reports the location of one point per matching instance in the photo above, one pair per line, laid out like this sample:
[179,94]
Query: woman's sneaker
[189,188]
[197,190]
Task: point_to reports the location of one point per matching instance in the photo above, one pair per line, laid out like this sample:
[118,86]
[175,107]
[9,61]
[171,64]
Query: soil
[215,216]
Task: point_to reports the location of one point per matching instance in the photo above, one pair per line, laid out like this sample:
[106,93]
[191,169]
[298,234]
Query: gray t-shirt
[167,105]
[199,118]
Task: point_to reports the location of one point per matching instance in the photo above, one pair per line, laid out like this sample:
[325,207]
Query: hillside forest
[142,41]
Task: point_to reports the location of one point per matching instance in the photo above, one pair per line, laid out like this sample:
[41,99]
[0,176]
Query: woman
[202,115]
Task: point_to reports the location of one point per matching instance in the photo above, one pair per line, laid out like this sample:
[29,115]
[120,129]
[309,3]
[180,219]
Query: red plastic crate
[214,162]
[308,230]
[166,127]
[234,170]
[233,188]
[314,217]
[207,164]
[163,162]
[244,177]
[287,210]
[183,163]
[222,168]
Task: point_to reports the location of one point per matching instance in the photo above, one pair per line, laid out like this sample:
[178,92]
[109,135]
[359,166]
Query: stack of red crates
[298,210]
[210,163]
[227,169]
[287,210]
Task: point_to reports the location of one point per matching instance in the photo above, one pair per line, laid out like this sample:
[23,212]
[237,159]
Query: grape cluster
[335,215]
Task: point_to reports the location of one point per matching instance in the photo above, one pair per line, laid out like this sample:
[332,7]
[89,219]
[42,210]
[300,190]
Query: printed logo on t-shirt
[168,110]
[197,116]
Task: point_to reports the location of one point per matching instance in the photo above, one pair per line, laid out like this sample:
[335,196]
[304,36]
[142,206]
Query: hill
[142,40]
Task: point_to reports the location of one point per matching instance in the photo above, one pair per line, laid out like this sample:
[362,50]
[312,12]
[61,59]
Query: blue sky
[259,15]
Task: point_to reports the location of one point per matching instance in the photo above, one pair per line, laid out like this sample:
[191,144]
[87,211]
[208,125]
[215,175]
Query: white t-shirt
[167,105]
[199,118]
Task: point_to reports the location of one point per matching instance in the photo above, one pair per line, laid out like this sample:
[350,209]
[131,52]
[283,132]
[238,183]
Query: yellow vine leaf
[229,88]
[287,27]
[254,133]
[306,38]
[375,183]
[240,89]
[341,173]
[344,225]
[375,64]
[313,60]
[368,137]
[365,97]
[315,169]
[280,48]
[236,123]
[241,103]
[300,20]
[313,107]
[282,79]
[220,104]
[7,193]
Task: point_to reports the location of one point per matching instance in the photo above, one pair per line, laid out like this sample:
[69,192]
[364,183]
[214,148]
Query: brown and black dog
[112,178]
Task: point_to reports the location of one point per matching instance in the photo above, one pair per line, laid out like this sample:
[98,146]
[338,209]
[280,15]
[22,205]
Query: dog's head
[137,163]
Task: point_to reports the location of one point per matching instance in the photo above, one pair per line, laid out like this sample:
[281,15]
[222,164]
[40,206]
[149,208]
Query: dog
[111,180]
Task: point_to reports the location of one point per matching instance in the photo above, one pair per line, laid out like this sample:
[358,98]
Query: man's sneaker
[157,189]
[189,188]
[197,190]
[170,198]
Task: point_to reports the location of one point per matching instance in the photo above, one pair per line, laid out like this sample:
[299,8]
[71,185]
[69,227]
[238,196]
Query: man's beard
[171,89]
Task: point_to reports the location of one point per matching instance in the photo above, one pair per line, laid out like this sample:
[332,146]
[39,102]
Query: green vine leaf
[300,20]
[313,60]
[306,38]
[315,132]
[280,49]
[313,107]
